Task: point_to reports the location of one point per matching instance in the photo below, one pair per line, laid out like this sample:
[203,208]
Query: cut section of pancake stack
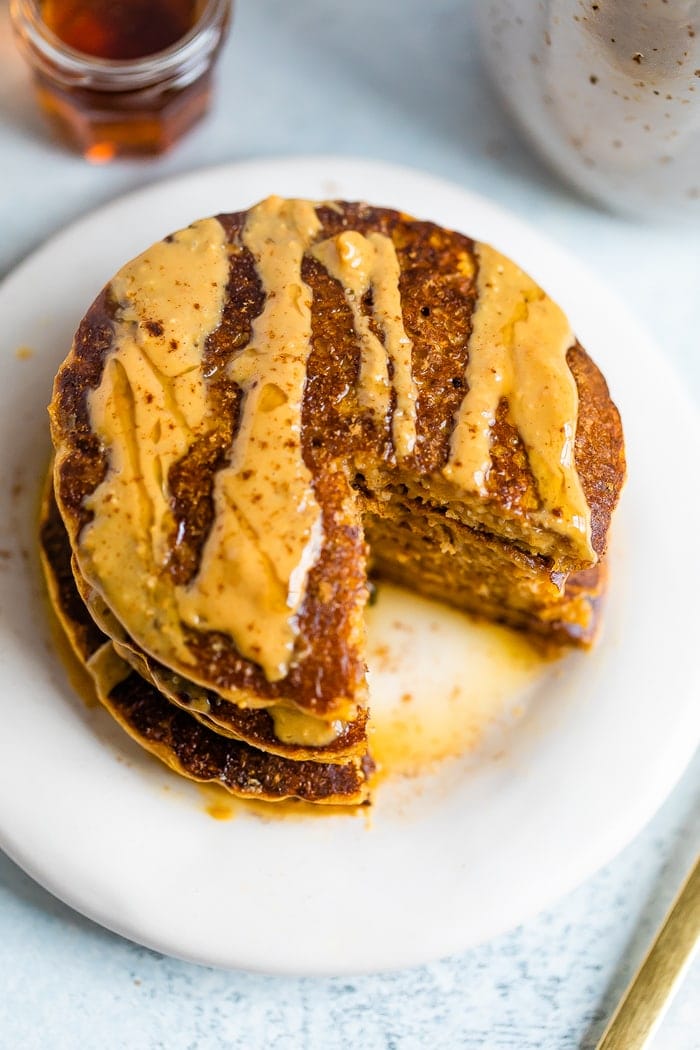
[266,408]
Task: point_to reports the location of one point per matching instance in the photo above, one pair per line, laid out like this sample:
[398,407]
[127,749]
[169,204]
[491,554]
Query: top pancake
[353,435]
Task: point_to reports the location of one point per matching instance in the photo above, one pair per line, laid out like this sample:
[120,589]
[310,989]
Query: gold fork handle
[657,980]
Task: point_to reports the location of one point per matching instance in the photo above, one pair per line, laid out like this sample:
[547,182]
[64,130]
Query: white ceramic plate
[447,860]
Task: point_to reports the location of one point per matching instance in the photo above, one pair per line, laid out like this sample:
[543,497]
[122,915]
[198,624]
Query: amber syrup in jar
[121,77]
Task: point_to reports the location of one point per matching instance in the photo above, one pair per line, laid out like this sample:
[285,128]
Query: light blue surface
[398,80]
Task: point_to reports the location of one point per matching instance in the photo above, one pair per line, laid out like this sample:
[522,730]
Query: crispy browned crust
[438,299]
[600,446]
[254,727]
[176,737]
[199,754]
[85,636]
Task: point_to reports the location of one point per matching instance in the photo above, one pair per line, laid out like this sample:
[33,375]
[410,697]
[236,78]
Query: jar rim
[79,66]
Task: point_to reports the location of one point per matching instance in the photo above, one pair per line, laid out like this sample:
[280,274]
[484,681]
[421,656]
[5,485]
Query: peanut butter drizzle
[517,351]
[150,405]
[362,264]
[267,528]
[294,727]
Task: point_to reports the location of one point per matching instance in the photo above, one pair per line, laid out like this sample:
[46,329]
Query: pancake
[276,730]
[173,736]
[266,408]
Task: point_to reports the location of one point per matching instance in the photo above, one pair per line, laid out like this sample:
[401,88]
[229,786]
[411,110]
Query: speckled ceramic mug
[608,91]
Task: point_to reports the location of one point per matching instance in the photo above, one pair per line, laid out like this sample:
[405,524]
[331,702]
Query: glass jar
[110,107]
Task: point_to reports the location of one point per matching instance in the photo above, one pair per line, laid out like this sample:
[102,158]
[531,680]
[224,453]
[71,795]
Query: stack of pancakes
[266,408]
